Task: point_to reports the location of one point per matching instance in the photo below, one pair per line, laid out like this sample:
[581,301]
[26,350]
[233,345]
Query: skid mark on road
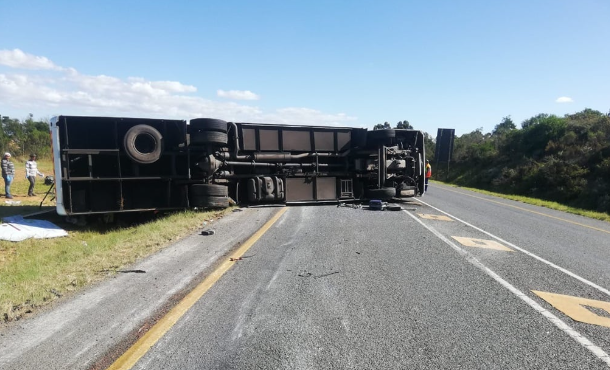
[579,338]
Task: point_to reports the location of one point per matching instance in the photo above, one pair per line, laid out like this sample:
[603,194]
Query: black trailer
[108,165]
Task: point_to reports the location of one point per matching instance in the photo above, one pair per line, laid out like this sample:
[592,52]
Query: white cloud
[237,95]
[18,59]
[306,116]
[564,99]
[173,86]
[52,90]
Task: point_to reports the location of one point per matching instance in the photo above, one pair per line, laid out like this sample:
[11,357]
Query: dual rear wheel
[207,131]
[209,196]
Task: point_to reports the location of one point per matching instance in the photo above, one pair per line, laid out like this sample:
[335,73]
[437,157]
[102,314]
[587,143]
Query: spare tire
[208,124]
[383,193]
[143,144]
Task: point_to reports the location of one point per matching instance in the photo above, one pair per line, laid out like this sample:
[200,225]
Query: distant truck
[109,165]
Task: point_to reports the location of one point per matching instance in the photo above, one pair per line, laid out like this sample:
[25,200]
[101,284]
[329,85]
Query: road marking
[141,347]
[549,263]
[575,307]
[481,243]
[529,210]
[579,338]
[435,217]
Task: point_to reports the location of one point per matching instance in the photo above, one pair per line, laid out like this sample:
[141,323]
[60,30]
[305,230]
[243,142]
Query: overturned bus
[109,165]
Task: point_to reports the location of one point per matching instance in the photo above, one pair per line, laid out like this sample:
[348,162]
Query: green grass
[35,272]
[538,202]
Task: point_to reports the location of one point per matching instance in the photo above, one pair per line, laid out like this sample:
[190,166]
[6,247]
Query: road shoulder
[84,330]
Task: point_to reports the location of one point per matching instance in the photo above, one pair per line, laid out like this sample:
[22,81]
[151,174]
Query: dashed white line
[579,338]
[549,263]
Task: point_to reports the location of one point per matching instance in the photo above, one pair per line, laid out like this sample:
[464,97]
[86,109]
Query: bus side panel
[95,173]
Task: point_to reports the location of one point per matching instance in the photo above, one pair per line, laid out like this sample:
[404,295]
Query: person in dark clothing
[8,173]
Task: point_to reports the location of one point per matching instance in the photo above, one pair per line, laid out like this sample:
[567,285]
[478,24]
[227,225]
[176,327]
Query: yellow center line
[529,210]
[141,347]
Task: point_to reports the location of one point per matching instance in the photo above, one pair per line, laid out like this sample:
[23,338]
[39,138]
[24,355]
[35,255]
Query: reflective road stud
[575,307]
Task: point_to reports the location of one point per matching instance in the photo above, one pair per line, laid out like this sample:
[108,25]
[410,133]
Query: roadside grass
[36,272]
[539,202]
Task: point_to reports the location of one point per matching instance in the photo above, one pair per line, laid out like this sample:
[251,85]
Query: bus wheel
[209,137]
[209,190]
[208,124]
[203,201]
[382,194]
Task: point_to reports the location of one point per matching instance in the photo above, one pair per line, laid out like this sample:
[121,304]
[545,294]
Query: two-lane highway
[454,281]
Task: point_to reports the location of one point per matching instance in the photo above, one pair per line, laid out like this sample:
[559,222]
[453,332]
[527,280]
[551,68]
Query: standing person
[428,173]
[8,173]
[31,170]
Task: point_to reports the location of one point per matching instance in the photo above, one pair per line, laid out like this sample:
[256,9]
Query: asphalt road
[457,280]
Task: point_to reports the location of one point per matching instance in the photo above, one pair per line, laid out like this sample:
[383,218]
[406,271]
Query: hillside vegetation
[561,159]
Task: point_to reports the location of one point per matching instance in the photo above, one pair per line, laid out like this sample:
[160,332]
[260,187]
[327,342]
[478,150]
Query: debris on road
[376,205]
[325,275]
[309,274]
[349,205]
[393,207]
[208,232]
[235,259]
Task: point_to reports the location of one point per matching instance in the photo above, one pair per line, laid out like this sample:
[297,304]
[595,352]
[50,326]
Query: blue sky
[436,63]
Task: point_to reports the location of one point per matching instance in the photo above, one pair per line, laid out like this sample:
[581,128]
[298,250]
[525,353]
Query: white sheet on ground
[16,229]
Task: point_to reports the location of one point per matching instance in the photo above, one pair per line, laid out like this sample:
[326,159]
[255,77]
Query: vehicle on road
[109,165]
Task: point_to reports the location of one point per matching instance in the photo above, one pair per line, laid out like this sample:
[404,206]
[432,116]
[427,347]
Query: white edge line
[597,351]
[567,272]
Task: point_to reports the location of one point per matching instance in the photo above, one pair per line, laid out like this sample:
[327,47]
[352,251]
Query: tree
[404,125]
[534,120]
[538,131]
[430,145]
[504,127]
[4,137]
[383,126]
[37,137]
[21,138]
[16,134]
